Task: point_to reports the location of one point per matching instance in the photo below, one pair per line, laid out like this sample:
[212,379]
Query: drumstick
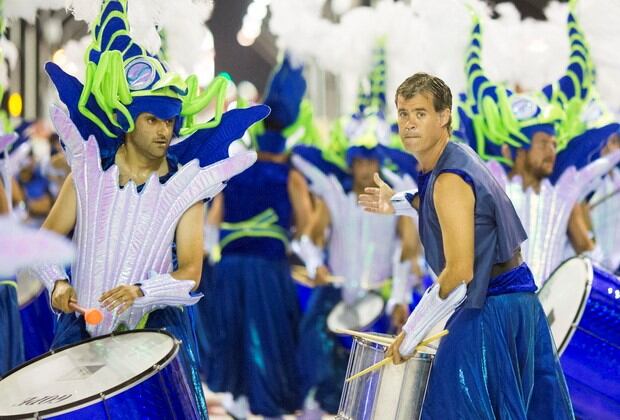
[300,274]
[387,340]
[387,360]
[92,316]
[367,336]
[372,368]
[605,198]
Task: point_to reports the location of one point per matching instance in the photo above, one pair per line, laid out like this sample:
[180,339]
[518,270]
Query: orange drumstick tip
[93,316]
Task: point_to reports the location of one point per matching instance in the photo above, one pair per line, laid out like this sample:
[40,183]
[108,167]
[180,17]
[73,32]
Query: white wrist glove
[310,254]
[164,290]
[402,203]
[401,286]
[429,312]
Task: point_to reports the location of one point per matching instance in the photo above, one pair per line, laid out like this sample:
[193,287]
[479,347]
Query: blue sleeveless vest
[498,230]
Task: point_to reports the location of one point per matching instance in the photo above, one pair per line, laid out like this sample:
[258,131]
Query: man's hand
[377,199]
[62,295]
[321,277]
[121,297]
[400,314]
[394,350]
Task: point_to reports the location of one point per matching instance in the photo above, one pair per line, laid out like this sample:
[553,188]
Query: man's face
[540,159]
[151,135]
[419,125]
[363,171]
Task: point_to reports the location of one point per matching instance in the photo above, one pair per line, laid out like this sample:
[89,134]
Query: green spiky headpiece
[124,80]
[491,115]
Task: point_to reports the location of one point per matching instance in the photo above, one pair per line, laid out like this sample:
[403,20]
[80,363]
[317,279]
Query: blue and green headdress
[490,115]
[284,95]
[367,130]
[588,123]
[123,80]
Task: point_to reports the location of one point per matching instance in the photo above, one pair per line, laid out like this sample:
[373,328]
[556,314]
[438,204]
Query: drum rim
[108,393]
[370,292]
[585,295]
[416,356]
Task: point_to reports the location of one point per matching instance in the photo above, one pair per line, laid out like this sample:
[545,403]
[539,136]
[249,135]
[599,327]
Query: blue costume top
[498,231]
[257,212]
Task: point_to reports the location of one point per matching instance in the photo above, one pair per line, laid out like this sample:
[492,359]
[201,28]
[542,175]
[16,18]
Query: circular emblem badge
[140,74]
[524,108]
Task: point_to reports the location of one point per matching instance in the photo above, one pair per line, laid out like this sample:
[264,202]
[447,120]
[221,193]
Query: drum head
[77,375]
[563,298]
[359,316]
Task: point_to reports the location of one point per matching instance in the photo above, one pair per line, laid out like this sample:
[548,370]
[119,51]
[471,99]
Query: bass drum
[129,375]
[582,303]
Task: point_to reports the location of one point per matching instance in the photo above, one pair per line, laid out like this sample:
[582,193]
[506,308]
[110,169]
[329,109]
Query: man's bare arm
[189,240]
[454,201]
[578,230]
[300,200]
[409,238]
[62,216]
[319,222]
[4,204]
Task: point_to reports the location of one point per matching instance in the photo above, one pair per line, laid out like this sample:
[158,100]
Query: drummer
[498,359]
[133,137]
[364,251]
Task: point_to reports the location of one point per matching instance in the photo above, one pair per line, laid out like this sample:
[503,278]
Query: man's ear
[444,116]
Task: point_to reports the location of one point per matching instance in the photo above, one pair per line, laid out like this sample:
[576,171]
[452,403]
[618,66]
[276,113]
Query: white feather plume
[426,36]
[432,35]
[189,41]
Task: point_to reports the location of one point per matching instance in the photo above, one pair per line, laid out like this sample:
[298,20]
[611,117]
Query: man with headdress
[526,133]
[134,197]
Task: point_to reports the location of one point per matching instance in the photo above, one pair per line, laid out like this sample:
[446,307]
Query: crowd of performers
[247,241]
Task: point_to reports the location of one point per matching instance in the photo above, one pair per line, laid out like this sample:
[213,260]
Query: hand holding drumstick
[392,357]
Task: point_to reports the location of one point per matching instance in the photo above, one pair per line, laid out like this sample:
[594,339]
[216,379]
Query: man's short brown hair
[426,83]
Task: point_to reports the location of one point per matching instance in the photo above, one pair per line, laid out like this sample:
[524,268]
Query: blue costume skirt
[499,361]
[11,340]
[175,320]
[322,359]
[251,327]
